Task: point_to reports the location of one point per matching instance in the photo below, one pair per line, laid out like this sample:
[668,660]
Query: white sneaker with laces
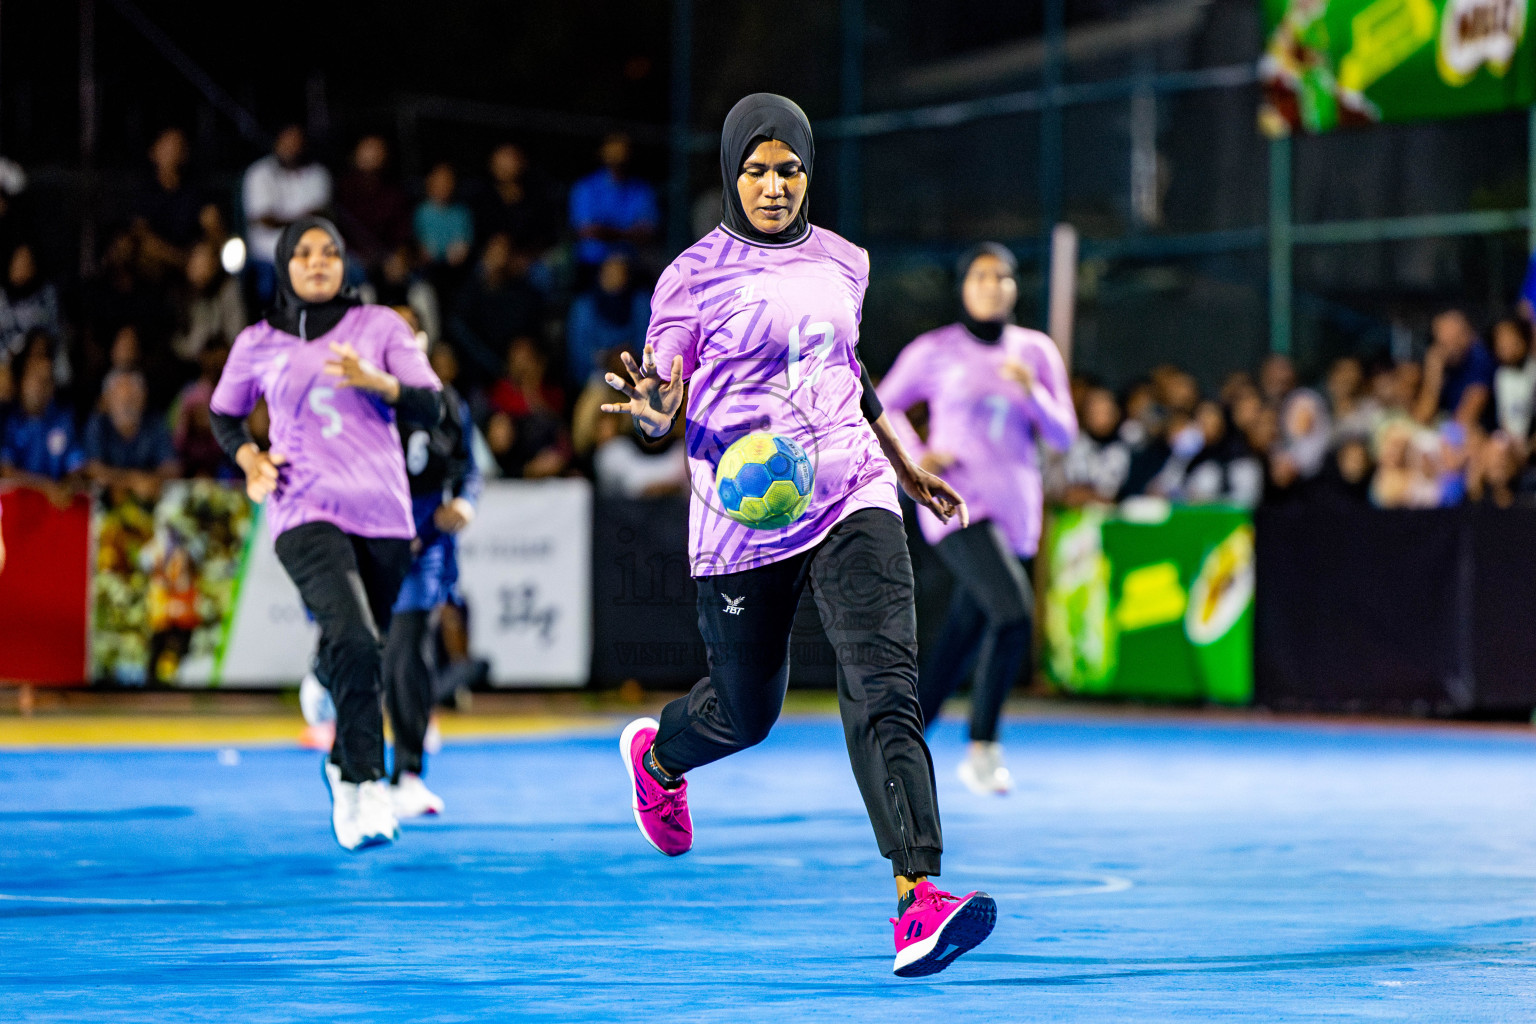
[362,814]
[412,798]
[983,771]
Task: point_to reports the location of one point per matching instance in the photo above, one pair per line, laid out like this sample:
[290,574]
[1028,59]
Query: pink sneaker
[938,927]
[661,813]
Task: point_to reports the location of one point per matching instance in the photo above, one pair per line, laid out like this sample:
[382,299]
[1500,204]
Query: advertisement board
[190,593]
[1335,63]
[1152,603]
[526,566]
[44,607]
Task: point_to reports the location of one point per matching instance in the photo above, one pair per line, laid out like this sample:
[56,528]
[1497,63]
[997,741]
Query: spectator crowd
[1450,429]
[522,290]
[525,291]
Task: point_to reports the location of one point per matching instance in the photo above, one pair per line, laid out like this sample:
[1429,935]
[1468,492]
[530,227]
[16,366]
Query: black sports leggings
[349,585]
[990,626]
[408,688]
[861,579]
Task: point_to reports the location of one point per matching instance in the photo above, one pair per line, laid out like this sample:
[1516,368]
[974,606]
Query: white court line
[1099,885]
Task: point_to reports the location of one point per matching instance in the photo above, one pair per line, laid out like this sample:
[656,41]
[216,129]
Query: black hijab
[755,118]
[990,331]
[291,314]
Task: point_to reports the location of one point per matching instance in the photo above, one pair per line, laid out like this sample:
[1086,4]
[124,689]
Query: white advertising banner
[526,572]
[271,640]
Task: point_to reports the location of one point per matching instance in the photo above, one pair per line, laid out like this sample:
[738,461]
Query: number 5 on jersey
[320,405]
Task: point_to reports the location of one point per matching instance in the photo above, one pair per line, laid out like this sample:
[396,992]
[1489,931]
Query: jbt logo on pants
[733,604]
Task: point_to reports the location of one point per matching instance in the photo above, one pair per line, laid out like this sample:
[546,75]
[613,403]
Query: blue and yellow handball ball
[764,481]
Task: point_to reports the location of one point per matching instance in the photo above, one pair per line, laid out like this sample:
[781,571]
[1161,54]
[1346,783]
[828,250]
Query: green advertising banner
[1332,63]
[1153,606]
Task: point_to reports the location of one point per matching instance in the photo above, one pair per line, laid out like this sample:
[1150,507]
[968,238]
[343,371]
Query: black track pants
[349,585]
[990,625]
[408,688]
[861,579]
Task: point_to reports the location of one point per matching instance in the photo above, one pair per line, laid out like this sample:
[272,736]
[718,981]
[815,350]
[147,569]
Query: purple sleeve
[900,390]
[1049,404]
[239,388]
[674,328]
[405,359]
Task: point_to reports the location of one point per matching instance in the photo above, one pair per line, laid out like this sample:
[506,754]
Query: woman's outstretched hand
[921,486]
[357,372]
[931,491]
[653,402]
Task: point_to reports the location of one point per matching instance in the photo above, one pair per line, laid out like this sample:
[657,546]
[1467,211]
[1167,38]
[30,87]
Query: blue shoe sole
[963,932]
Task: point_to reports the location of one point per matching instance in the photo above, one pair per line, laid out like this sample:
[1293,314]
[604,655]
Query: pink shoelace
[934,899]
[668,803]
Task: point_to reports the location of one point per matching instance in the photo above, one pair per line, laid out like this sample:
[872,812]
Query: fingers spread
[635,373]
[617,383]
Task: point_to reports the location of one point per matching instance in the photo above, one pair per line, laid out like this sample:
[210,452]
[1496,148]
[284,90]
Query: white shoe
[362,814]
[983,771]
[315,701]
[412,798]
[432,739]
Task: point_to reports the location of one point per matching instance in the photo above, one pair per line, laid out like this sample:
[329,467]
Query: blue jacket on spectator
[602,200]
[1477,368]
[588,334]
[147,450]
[45,445]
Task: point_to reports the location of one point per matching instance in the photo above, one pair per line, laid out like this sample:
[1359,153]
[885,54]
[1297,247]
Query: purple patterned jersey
[345,464]
[988,423]
[767,336]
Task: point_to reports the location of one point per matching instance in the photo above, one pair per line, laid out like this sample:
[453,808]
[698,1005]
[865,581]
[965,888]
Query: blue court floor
[1146,870]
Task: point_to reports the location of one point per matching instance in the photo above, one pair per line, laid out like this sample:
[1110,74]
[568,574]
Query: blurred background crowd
[1451,428]
[523,288]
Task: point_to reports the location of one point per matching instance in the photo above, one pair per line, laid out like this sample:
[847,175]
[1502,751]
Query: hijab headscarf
[291,314]
[1309,446]
[992,330]
[754,119]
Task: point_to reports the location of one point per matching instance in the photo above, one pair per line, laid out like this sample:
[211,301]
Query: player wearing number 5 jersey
[757,322]
[334,374]
[994,392]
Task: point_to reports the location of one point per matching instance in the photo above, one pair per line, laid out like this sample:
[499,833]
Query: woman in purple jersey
[334,374]
[756,325]
[994,392]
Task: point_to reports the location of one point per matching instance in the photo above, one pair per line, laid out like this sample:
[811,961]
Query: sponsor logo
[733,604]
[1474,33]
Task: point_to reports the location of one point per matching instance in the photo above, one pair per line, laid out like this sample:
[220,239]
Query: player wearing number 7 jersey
[994,390]
[334,374]
[758,323]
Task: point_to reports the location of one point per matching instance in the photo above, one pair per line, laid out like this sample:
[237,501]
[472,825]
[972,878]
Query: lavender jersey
[987,422]
[767,336]
[345,464]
